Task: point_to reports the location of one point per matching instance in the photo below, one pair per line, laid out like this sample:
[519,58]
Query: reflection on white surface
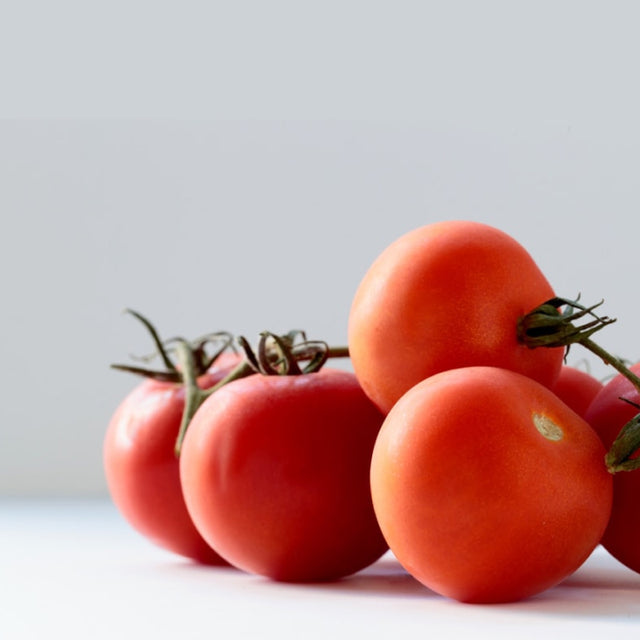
[76,568]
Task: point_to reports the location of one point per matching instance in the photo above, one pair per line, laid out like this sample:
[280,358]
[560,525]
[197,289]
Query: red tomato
[577,388]
[275,473]
[487,487]
[607,414]
[443,296]
[142,471]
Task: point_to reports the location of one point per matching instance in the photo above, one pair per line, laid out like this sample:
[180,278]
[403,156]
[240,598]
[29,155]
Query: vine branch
[547,326]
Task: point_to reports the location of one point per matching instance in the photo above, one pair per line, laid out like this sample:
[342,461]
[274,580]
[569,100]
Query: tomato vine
[202,360]
[288,354]
[549,326]
[275,355]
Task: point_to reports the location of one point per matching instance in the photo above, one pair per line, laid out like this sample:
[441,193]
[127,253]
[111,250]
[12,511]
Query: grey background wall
[239,165]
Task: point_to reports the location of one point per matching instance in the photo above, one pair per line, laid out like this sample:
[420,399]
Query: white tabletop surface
[75,569]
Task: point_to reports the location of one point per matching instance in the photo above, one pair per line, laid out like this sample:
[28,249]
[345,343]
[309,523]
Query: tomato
[577,388]
[275,473]
[142,470]
[607,414]
[443,296]
[487,487]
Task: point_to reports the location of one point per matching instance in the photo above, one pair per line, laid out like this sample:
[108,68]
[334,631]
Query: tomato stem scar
[547,326]
[547,427]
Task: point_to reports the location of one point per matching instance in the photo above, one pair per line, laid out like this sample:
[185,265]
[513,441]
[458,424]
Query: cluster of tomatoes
[461,440]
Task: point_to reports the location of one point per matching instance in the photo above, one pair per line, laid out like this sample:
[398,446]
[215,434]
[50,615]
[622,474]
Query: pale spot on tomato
[547,427]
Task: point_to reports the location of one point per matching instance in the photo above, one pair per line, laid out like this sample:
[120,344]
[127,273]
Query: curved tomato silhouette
[444,296]
[275,473]
[610,410]
[141,467]
[487,487]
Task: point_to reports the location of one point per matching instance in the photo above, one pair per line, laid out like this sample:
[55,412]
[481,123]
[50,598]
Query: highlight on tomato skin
[142,470]
[275,473]
[616,404]
[487,487]
[442,296]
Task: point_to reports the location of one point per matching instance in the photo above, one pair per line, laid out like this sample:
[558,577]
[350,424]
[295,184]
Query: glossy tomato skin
[443,296]
[275,472]
[607,414]
[577,388]
[475,501]
[142,470]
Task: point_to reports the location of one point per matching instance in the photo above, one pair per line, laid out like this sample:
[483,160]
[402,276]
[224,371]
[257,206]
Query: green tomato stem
[277,355]
[627,442]
[618,457]
[545,326]
[202,360]
[611,360]
[156,339]
[194,396]
[273,351]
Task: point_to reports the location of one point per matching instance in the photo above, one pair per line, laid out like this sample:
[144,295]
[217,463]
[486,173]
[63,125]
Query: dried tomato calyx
[276,355]
[203,359]
[279,355]
[623,453]
[547,326]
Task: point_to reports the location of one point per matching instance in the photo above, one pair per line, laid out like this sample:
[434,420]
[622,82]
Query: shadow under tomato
[582,602]
[599,590]
[604,572]
[385,577]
